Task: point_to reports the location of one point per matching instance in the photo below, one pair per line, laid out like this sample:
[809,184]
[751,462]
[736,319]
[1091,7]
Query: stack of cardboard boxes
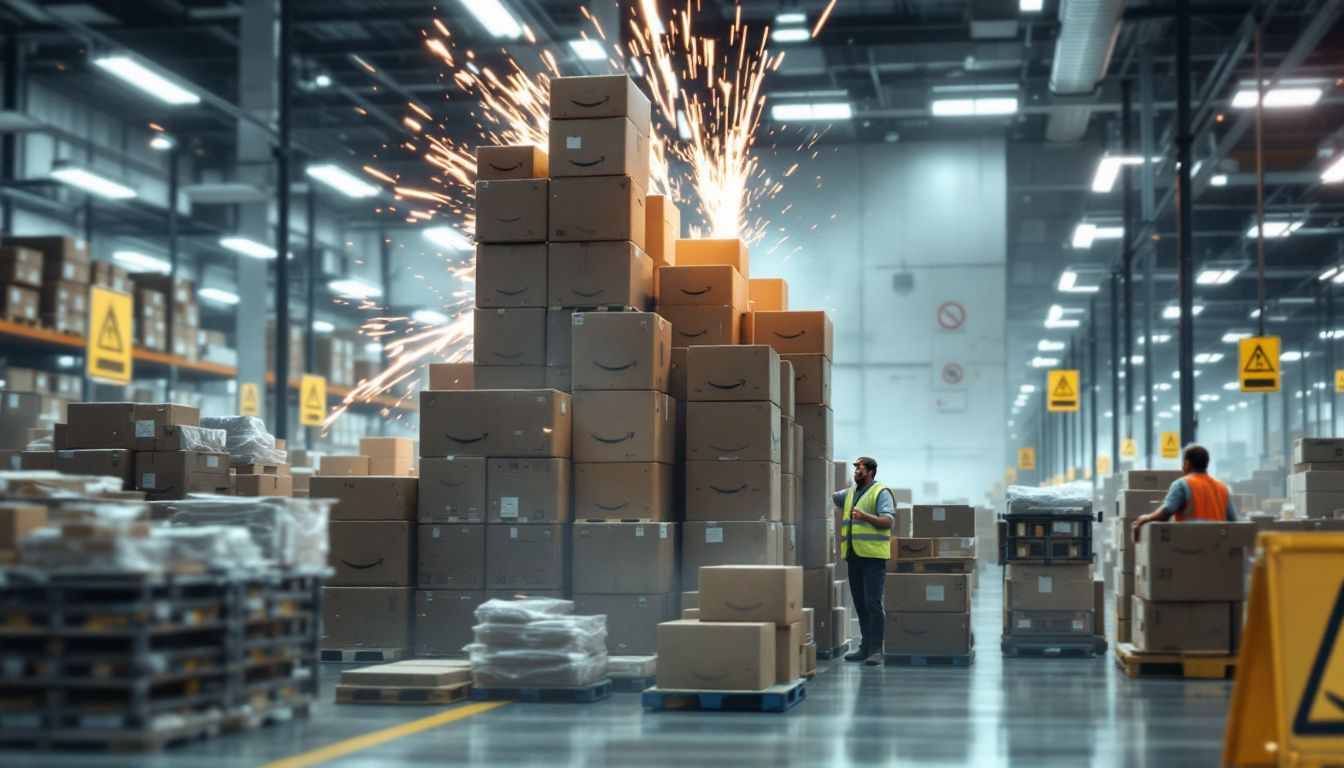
[152,291]
[1050,594]
[20,285]
[1139,492]
[1316,487]
[66,274]
[930,581]
[1190,584]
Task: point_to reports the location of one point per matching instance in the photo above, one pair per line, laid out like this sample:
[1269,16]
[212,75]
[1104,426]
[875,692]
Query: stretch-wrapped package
[537,643]
[291,533]
[1067,498]
[246,439]
[202,439]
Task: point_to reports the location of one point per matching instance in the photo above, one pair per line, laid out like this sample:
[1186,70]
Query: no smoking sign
[951,316]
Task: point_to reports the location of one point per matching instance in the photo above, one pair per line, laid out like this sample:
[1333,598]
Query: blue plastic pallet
[585,695]
[777,698]
[929,660]
[632,684]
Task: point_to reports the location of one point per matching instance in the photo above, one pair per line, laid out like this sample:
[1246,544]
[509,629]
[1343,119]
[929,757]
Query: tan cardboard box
[625,558]
[444,621]
[690,600]
[597,208]
[771,294]
[1177,562]
[263,485]
[1124,610]
[621,351]
[18,519]
[817,590]
[839,626]
[1130,504]
[100,425]
[387,447]
[332,465]
[702,285]
[811,379]
[602,274]
[577,98]
[156,425]
[788,499]
[788,398]
[676,375]
[818,423]
[955,546]
[733,490]
[728,543]
[632,620]
[1050,622]
[1148,479]
[751,593]
[529,557]
[450,557]
[931,633]
[817,493]
[1124,631]
[519,423]
[510,377]
[700,325]
[1317,504]
[371,554]
[1314,450]
[626,426]
[661,229]
[452,490]
[730,252]
[512,211]
[788,660]
[791,544]
[559,337]
[606,146]
[809,624]
[368,498]
[22,266]
[529,490]
[366,617]
[1049,587]
[31,460]
[623,491]
[511,275]
[913,548]
[400,467]
[725,656]
[451,376]
[107,462]
[1315,482]
[1182,626]
[732,432]
[173,474]
[510,337]
[927,593]
[818,546]
[515,162]
[795,333]
[943,520]
[559,378]
[732,373]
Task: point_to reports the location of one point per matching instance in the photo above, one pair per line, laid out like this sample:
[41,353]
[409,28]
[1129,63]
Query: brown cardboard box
[444,621]
[450,557]
[18,519]
[955,546]
[1178,562]
[817,589]
[451,376]
[818,423]
[621,351]
[911,548]
[795,333]
[20,303]
[771,294]
[733,490]
[559,337]
[263,485]
[631,426]
[788,660]
[732,373]
[811,379]
[927,593]
[604,146]
[169,474]
[530,557]
[817,499]
[1049,587]
[943,520]
[1314,482]
[676,376]
[510,377]
[788,499]
[1124,607]
[932,633]
[732,432]
[597,208]
[1050,622]
[366,617]
[332,465]
[818,546]
[387,447]
[625,558]
[1148,479]
[602,274]
[367,498]
[22,266]
[54,248]
[383,465]
[510,337]
[696,325]
[730,252]
[528,490]
[30,460]
[517,423]
[790,545]
[109,462]
[787,397]
[702,285]
[623,491]
[728,543]
[661,229]
[511,275]
[155,423]
[512,211]
[727,656]
[632,620]
[559,378]
[1130,505]
[523,161]
[452,490]
[371,554]
[578,98]
[751,593]
[100,425]
[1182,626]
[1322,450]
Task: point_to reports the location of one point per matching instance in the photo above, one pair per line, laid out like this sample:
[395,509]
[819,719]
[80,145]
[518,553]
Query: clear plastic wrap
[49,549]
[291,533]
[202,439]
[537,642]
[49,484]
[523,610]
[626,667]
[1066,498]
[247,440]
[208,547]
[43,443]
[582,634]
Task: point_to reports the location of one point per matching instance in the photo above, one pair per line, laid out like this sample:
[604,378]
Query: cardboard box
[1318,450]
[367,498]
[510,337]
[788,499]
[818,423]
[1132,504]
[625,426]
[371,554]
[1148,479]
[263,485]
[604,146]
[578,98]
[702,285]
[811,379]
[632,620]
[511,275]
[839,626]
[732,432]
[661,229]
[107,462]
[452,376]
[513,211]
[732,373]
[602,274]
[676,376]
[1316,482]
[402,467]
[955,546]
[517,423]
[621,351]
[452,490]
[559,337]
[450,557]
[100,425]
[490,377]
[790,545]
[597,208]
[818,494]
[818,545]
[1124,610]
[731,252]
[1051,622]
[1317,504]
[913,548]
[625,558]
[1179,562]
[332,465]
[366,617]
[528,490]
[624,491]
[788,660]
[1049,587]
[733,490]
[387,447]
[527,556]
[771,294]
[1182,626]
[928,633]
[727,656]
[559,379]
[20,303]
[751,593]
[702,325]
[927,593]
[444,621]
[943,520]
[155,425]
[18,519]
[728,543]
[787,397]
[173,474]
[795,333]
[22,266]
[516,162]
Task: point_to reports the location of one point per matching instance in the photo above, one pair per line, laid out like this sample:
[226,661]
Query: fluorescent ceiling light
[996,106]
[1210,398]
[141,262]
[1163,387]
[322,81]
[1330,273]
[953,107]
[1028,389]
[1108,170]
[341,180]
[1218,180]
[1031,6]
[1137,359]
[354,288]
[93,183]
[1068,283]
[1044,362]
[447,237]
[1276,228]
[1086,233]
[1234,337]
[162,142]
[1290,357]
[1216,276]
[838,110]
[981,107]
[1054,318]
[1208,358]
[495,18]
[1161,338]
[136,74]
[1281,97]
[791,18]
[429,317]
[1232,386]
[322,326]
[1334,172]
[218,295]
[588,49]
[1047,345]
[248,247]
[790,35]
[1174,312]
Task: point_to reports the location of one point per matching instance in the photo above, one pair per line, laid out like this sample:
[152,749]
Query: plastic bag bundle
[1067,498]
[246,439]
[537,643]
[205,548]
[202,439]
[289,533]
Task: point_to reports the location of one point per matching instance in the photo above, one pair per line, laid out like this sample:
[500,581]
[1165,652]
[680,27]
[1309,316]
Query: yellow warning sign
[1129,448]
[1259,364]
[1171,445]
[108,349]
[1061,391]
[312,400]
[1072,474]
[1103,466]
[1288,703]
[1010,475]
[1026,458]
[249,399]
[1339,381]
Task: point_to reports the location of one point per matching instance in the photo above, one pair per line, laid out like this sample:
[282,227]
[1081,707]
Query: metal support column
[1115,371]
[310,291]
[9,141]
[385,278]
[173,185]
[1185,240]
[1147,197]
[1318,360]
[1093,390]
[1330,360]
[1127,256]
[282,181]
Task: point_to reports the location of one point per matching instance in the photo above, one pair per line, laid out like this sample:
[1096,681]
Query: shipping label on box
[529,490]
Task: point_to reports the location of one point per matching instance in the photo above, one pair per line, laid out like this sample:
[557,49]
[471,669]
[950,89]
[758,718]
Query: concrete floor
[997,712]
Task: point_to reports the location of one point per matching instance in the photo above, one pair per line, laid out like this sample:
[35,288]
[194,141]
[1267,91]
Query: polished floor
[998,712]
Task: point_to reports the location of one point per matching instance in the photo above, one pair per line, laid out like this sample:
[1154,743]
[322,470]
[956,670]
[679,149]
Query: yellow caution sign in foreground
[1062,393]
[1258,358]
[312,400]
[108,350]
[1288,704]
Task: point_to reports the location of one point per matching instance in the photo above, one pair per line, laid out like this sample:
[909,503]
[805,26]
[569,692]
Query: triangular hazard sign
[249,399]
[1062,389]
[1171,442]
[109,335]
[1259,362]
[311,401]
[1321,711]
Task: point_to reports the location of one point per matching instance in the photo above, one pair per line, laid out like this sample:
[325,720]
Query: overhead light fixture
[248,247]
[1174,312]
[1163,387]
[824,110]
[140,262]
[1218,180]
[322,326]
[989,106]
[447,237]
[341,180]
[1290,357]
[1047,345]
[1044,362]
[1054,319]
[790,35]
[162,142]
[1208,358]
[1031,6]
[1161,338]
[1334,172]
[1330,274]
[1210,398]
[1232,386]
[1068,283]
[89,181]
[1234,337]
[1108,170]
[354,288]
[1276,228]
[791,17]
[1086,233]
[495,18]
[588,49]
[1286,95]
[1216,276]
[429,317]
[218,295]
[322,81]
[1136,359]
[1028,389]
[138,75]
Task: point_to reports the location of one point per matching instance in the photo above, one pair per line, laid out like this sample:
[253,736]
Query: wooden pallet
[364,655]
[585,695]
[1203,666]
[777,698]
[929,659]
[632,684]
[834,653]
[1060,646]
[934,565]
[398,694]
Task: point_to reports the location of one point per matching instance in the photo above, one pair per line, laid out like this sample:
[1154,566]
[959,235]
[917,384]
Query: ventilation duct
[1088,30]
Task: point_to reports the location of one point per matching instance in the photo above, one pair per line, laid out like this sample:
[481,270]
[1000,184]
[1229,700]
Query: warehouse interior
[1055,277]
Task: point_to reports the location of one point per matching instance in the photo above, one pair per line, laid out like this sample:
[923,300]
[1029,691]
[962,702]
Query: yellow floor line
[360,743]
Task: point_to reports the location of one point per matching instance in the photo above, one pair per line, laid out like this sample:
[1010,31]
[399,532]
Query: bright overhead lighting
[1044,362]
[791,18]
[1334,172]
[1161,338]
[1163,387]
[341,180]
[495,18]
[838,110]
[1086,233]
[447,237]
[1031,6]
[140,262]
[322,326]
[981,107]
[996,106]
[953,107]
[1233,337]
[1108,170]
[1137,359]
[1208,358]
[91,182]
[1290,357]
[1282,97]
[1054,318]
[1276,228]
[1068,283]
[429,317]
[1218,180]
[790,35]
[162,142]
[588,49]
[354,288]
[248,247]
[1216,276]
[1338,333]
[322,81]
[1210,398]
[1174,312]
[136,74]
[1333,272]
[1028,389]
[1050,346]
[218,295]
[1232,386]
[374,346]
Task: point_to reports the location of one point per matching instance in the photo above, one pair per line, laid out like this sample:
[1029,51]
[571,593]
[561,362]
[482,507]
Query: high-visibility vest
[1208,499]
[869,540]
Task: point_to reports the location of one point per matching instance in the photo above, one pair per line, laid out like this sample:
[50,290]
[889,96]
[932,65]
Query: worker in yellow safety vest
[1195,496]
[868,513]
